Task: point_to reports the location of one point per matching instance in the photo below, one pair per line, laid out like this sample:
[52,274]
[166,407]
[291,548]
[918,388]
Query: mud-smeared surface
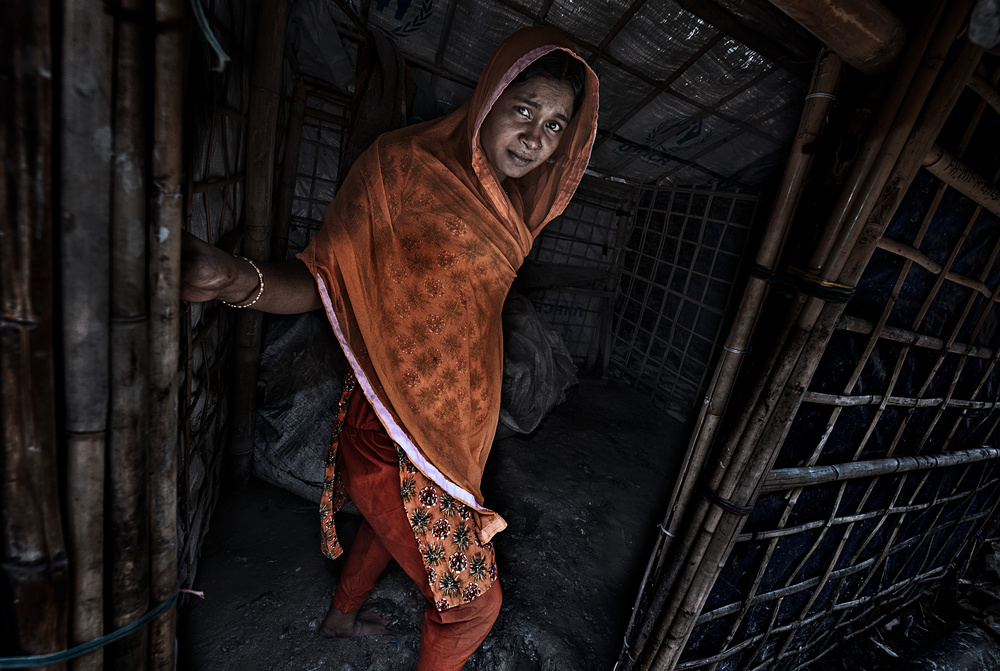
[582,497]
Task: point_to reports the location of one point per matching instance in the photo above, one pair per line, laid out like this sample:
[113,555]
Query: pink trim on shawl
[395,431]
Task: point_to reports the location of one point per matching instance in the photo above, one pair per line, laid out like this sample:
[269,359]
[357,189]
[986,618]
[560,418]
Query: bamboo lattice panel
[890,469]
[219,104]
[683,255]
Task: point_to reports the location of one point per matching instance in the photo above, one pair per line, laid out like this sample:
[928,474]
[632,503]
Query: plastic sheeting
[719,104]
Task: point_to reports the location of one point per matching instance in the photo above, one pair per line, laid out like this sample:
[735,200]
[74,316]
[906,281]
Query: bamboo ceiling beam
[931,265]
[863,32]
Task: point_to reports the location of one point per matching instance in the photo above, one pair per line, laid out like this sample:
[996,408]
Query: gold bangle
[260,292]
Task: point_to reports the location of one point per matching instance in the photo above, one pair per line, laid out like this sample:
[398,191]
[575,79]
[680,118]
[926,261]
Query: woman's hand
[208,273]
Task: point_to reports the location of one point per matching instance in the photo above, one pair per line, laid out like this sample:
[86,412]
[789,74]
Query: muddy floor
[582,497]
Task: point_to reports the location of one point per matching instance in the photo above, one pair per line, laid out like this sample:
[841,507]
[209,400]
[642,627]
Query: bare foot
[364,622]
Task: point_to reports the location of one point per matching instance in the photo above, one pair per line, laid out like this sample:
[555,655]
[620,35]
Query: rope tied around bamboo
[806,282]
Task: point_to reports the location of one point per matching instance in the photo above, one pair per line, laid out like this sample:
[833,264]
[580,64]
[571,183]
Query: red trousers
[369,467]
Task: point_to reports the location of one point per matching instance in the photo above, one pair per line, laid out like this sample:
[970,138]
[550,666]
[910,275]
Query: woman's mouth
[518,159]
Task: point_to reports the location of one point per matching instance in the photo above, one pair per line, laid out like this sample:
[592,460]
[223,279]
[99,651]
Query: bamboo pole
[985,88]
[862,32]
[86,141]
[165,224]
[127,477]
[963,179]
[786,478]
[289,170]
[33,557]
[826,78]
[264,101]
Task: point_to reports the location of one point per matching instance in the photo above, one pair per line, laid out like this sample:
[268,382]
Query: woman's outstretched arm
[208,273]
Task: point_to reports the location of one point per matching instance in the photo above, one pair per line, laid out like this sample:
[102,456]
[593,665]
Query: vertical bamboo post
[84,232]
[34,563]
[165,224]
[264,101]
[289,169]
[126,454]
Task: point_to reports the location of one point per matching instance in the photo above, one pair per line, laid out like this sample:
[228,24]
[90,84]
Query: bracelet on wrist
[260,291]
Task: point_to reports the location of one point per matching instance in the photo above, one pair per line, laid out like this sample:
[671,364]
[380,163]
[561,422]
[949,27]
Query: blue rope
[202,21]
[82,649]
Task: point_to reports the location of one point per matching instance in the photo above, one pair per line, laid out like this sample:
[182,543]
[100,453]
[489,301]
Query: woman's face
[525,125]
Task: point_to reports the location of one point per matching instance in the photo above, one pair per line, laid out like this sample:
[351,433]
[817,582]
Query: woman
[412,266]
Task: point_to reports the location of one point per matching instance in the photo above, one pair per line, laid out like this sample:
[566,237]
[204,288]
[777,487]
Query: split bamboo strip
[985,88]
[735,484]
[786,478]
[289,170]
[927,263]
[86,152]
[953,172]
[264,102]
[126,454]
[165,224]
[826,78]
[33,557]
[899,401]
[858,325]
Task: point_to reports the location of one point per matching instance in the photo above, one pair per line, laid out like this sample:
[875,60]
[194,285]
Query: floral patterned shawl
[415,259]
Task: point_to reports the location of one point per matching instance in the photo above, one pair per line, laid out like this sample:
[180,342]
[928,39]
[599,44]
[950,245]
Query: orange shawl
[415,259]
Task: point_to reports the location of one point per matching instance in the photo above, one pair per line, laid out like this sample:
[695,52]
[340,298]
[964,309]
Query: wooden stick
[34,557]
[264,101]
[165,224]
[985,88]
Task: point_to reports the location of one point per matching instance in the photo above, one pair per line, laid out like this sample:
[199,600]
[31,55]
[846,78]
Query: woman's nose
[530,138]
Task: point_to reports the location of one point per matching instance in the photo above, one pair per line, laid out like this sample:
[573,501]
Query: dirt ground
[582,497]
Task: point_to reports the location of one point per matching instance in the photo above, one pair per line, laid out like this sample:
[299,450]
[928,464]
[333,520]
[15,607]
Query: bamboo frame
[34,561]
[826,78]
[948,90]
[165,225]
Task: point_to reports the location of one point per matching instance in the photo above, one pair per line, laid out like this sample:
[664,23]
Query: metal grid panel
[682,258]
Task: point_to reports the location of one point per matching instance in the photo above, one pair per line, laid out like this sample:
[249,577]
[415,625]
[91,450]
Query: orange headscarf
[414,262]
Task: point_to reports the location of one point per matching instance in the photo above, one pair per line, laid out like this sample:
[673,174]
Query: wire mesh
[682,258]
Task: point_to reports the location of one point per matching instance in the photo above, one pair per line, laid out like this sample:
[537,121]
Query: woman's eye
[523,111]
[555,127]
